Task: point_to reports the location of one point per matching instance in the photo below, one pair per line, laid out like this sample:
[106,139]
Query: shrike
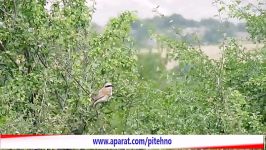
[104,94]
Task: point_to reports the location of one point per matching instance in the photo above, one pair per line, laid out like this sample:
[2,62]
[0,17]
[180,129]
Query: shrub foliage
[51,62]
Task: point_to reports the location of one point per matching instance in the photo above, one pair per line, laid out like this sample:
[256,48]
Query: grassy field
[213,51]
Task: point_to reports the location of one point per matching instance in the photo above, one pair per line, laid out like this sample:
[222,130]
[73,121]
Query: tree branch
[76,81]
[15,8]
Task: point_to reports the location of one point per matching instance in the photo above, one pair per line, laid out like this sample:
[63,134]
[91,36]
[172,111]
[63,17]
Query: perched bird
[103,95]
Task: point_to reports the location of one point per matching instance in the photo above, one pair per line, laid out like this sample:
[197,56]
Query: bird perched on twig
[103,95]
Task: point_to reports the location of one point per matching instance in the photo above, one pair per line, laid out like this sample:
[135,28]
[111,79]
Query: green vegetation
[52,61]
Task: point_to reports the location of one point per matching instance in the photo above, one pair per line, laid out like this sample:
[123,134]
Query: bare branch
[15,8]
[6,12]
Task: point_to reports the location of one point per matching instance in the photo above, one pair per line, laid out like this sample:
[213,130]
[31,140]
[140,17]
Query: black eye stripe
[108,86]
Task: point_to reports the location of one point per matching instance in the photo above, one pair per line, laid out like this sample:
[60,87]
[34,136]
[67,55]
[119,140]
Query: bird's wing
[103,99]
[100,95]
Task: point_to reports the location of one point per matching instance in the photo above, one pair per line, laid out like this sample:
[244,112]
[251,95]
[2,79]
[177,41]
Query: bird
[103,95]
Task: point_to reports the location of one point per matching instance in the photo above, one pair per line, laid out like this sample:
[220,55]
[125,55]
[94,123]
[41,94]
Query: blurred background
[196,22]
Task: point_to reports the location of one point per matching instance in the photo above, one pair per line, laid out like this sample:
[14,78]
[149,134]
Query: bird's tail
[92,105]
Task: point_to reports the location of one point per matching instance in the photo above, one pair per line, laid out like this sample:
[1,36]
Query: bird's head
[108,85]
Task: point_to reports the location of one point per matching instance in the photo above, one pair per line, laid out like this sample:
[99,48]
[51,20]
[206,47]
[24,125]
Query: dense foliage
[51,62]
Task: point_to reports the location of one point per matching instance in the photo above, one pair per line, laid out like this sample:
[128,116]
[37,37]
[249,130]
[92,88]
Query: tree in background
[51,63]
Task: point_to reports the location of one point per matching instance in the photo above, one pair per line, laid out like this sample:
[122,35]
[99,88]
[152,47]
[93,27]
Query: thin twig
[64,76]
[41,60]
[220,91]
[8,14]
[15,8]
[59,97]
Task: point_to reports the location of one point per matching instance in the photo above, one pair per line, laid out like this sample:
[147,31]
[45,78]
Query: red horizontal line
[20,135]
[242,146]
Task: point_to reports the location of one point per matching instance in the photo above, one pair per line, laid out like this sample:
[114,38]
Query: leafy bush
[51,63]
